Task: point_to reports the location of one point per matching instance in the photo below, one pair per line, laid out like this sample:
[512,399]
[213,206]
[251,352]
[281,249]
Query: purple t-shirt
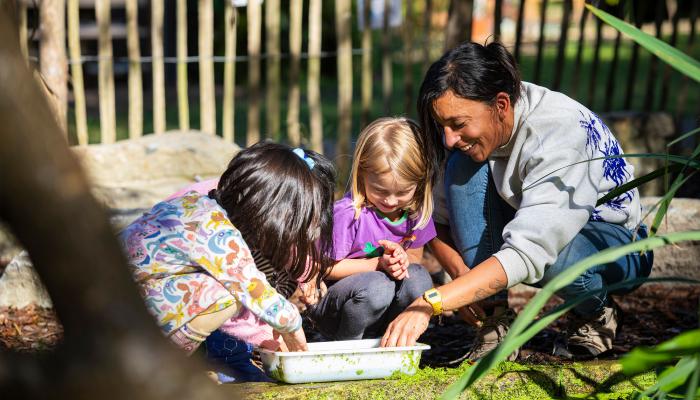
[359,238]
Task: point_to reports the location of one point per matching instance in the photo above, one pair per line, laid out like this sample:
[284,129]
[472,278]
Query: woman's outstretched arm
[486,279]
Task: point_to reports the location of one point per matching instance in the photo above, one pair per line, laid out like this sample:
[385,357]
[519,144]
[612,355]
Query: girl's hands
[310,295]
[293,341]
[394,261]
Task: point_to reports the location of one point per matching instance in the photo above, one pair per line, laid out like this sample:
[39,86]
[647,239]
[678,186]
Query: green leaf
[643,359]
[639,182]
[673,377]
[529,313]
[683,137]
[666,201]
[672,56]
[685,161]
[692,390]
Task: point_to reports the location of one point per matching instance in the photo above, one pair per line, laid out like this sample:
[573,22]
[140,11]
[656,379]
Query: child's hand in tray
[294,341]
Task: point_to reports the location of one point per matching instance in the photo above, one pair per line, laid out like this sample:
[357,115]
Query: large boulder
[682,259]
[135,174]
[20,285]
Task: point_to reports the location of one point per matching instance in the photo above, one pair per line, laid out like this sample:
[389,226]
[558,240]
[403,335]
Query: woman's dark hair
[283,208]
[472,71]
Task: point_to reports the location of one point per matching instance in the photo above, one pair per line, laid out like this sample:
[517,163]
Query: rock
[135,174]
[643,133]
[682,259]
[20,285]
[128,177]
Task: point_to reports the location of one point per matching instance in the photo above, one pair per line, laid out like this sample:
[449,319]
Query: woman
[517,200]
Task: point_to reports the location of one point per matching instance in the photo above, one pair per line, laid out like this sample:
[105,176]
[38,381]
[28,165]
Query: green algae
[359,372]
[509,380]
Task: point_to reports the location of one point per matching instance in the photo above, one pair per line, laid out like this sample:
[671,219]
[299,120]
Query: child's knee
[376,295]
[419,279]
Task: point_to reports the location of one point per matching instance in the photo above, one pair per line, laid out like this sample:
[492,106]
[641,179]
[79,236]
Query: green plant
[684,376]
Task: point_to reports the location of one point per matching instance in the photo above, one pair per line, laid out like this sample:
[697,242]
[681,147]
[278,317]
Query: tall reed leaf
[529,313]
[645,358]
[672,56]
[639,182]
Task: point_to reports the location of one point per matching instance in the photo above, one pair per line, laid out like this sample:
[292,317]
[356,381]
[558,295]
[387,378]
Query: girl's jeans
[477,218]
[363,305]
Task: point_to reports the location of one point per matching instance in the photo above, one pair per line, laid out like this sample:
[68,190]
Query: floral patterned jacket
[188,259]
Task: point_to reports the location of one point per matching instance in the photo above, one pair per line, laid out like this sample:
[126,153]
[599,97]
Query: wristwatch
[433,297]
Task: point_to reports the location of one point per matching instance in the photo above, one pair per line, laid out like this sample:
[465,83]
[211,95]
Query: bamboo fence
[286,85]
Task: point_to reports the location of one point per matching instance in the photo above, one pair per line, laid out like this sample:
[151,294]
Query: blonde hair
[392,145]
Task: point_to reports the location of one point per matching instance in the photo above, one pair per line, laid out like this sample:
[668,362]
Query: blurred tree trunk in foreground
[112,348]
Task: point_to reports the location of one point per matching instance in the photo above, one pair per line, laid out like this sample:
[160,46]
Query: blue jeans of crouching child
[362,305]
[478,215]
[233,357]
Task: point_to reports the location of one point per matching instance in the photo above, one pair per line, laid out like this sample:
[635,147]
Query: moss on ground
[602,380]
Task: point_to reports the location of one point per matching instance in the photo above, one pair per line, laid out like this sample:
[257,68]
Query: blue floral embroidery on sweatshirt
[601,143]
[593,135]
[614,168]
[599,139]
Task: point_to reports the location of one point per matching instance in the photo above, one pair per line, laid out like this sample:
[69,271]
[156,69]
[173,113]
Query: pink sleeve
[202,187]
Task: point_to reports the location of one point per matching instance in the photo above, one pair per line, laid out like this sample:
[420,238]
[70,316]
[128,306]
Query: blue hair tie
[308,160]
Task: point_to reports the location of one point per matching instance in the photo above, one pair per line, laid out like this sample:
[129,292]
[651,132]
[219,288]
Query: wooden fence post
[561,47]
[253,13]
[519,30]
[52,57]
[497,19]
[540,41]
[366,63]
[108,123]
[342,23]
[387,73]
[76,68]
[459,22]
[158,66]
[295,28]
[207,97]
[135,79]
[229,108]
[314,80]
[272,69]
[407,30]
[427,30]
[183,104]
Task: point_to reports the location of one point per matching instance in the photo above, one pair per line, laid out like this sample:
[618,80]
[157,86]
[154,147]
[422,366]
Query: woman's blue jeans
[478,215]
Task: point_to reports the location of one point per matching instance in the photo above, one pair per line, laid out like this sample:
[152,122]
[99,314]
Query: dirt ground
[651,315]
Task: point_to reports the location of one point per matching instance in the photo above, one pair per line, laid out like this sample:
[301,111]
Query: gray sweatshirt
[540,173]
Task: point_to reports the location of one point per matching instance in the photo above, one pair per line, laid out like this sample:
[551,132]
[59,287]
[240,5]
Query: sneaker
[592,336]
[491,334]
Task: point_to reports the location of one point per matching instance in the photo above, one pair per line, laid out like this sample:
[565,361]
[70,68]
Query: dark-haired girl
[193,255]
[516,199]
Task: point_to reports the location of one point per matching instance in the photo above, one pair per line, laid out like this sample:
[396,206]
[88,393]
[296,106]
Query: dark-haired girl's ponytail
[507,61]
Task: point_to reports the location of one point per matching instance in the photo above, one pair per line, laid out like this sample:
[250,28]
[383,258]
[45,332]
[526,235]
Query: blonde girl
[380,228]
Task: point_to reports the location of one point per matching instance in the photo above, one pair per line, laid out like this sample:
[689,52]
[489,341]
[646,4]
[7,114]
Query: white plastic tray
[341,361]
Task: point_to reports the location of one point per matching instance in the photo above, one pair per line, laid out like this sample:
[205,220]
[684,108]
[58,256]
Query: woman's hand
[409,325]
[472,314]
[294,341]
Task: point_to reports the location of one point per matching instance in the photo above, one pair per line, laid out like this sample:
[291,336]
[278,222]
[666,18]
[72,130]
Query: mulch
[651,315]
[29,329]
